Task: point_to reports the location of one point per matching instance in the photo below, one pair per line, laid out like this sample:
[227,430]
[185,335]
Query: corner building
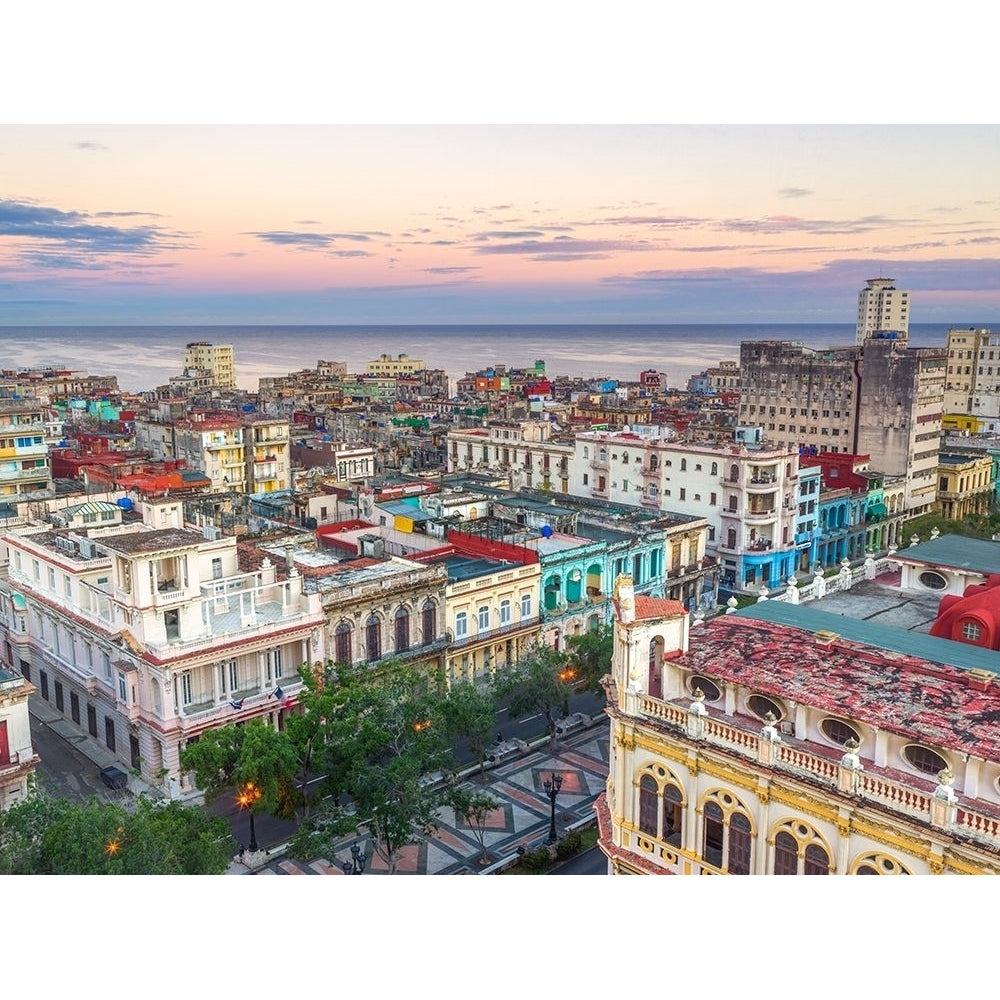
[790,741]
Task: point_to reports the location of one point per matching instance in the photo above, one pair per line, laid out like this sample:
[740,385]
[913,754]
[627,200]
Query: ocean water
[146,356]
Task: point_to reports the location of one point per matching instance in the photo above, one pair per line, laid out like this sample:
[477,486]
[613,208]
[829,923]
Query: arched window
[673,815]
[647,805]
[429,621]
[734,473]
[799,850]
[878,864]
[726,830]
[342,643]
[786,854]
[684,465]
[715,468]
[731,539]
[402,630]
[373,639]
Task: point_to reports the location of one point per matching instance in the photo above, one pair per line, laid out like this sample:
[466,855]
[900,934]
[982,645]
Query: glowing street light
[247,797]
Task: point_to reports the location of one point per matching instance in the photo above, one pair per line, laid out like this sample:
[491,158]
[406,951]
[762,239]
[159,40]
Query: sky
[204,214]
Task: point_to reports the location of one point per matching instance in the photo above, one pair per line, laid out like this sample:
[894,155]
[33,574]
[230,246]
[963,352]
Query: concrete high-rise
[883,311]
[217,359]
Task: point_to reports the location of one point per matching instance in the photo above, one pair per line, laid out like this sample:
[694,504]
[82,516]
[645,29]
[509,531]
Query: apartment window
[342,643]
[461,625]
[52,578]
[504,613]
[106,663]
[92,720]
[683,494]
[274,664]
[74,707]
[648,802]
[712,499]
[484,619]
[186,698]
[109,732]
[402,630]
[43,679]
[373,638]
[35,570]
[59,695]
[217,568]
[122,688]
[67,586]
[793,856]
[586,479]
[429,621]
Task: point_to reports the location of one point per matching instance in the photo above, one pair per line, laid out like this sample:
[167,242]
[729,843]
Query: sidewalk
[42,712]
[522,819]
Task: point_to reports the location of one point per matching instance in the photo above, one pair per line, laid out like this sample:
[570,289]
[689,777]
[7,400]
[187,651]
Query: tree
[540,683]
[238,756]
[475,806]
[470,713]
[386,736]
[589,656]
[57,837]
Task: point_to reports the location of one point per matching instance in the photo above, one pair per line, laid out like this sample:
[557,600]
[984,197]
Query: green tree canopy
[45,836]
[542,683]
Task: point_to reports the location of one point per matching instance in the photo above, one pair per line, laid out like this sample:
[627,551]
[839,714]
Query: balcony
[795,759]
[752,516]
[599,462]
[491,635]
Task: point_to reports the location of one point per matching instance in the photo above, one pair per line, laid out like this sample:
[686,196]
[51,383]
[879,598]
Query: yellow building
[965,485]
[786,740]
[389,367]
[217,359]
[492,614]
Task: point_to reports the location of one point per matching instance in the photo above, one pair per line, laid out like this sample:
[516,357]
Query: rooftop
[861,674]
[956,551]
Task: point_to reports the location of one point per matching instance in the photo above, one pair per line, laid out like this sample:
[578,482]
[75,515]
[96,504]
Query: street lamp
[356,866]
[248,795]
[552,784]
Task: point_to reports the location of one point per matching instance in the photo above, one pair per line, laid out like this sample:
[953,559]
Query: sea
[143,357]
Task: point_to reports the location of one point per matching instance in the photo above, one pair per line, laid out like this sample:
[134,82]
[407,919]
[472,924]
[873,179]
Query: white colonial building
[146,633]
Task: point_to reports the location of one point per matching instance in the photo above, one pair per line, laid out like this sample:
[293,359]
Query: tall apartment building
[25,466]
[972,383]
[786,740]
[268,454]
[218,359]
[883,311]
[883,400]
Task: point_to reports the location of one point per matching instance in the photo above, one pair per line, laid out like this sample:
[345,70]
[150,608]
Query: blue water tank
[546,530]
[125,503]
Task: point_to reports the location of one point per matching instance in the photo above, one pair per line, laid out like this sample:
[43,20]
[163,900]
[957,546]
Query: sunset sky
[492,223]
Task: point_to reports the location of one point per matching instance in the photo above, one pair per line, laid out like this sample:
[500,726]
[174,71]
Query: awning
[20,604]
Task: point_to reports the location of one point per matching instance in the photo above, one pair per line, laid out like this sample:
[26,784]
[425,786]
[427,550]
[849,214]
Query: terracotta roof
[905,694]
[657,607]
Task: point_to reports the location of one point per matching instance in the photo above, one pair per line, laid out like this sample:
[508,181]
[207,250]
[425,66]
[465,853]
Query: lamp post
[552,784]
[356,866]
[248,796]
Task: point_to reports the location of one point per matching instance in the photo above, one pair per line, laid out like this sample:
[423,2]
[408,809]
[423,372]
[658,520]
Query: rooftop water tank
[546,530]
[125,503]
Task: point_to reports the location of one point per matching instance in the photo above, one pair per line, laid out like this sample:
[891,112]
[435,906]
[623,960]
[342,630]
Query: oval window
[761,706]
[839,732]
[924,759]
[932,580]
[710,690]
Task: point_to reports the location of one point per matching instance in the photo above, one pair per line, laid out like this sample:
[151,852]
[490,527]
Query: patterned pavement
[522,819]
